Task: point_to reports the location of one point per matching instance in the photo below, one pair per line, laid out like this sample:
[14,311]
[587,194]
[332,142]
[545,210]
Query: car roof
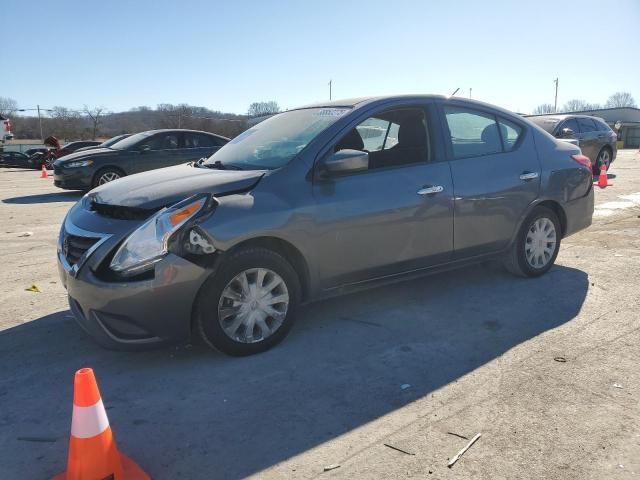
[367,101]
[560,117]
[161,130]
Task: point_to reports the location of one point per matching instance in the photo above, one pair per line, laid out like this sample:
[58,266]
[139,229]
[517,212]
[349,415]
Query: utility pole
[555,104]
[40,122]
[330,81]
[470,91]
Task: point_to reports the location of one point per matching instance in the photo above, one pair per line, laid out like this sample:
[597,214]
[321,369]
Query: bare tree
[575,105]
[542,109]
[8,106]
[67,124]
[94,115]
[257,109]
[620,99]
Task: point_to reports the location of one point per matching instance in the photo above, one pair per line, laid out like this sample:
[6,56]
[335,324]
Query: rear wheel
[249,304]
[537,244]
[106,175]
[604,158]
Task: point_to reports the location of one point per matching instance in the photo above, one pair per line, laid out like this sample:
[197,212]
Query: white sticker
[331,112]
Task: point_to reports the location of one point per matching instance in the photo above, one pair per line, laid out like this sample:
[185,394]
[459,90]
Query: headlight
[81,163]
[150,242]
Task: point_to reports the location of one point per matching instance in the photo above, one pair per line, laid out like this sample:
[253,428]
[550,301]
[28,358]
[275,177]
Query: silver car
[315,202]
[594,137]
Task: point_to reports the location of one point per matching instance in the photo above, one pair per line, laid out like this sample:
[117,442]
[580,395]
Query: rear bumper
[135,315]
[579,213]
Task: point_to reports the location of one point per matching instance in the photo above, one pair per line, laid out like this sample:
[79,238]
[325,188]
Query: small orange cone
[43,172]
[93,453]
[603,179]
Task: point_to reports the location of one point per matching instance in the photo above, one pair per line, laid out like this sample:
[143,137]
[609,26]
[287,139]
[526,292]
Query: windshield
[547,123]
[274,142]
[127,143]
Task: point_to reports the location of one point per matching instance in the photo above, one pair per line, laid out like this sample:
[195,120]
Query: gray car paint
[340,233]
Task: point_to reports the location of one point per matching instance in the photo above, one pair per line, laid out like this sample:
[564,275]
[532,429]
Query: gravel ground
[465,352]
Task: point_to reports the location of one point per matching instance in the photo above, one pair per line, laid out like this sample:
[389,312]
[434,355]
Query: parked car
[594,137]
[74,146]
[137,153]
[15,159]
[106,143]
[296,209]
[32,151]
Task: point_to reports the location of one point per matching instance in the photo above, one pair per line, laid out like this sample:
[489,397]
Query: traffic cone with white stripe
[43,171]
[93,454]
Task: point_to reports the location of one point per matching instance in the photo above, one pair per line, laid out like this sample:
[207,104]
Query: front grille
[75,246]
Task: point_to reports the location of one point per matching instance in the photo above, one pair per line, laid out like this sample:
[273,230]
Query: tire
[518,260]
[604,157]
[102,174]
[213,302]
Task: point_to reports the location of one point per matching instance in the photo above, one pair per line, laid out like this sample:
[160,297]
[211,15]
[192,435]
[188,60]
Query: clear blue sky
[226,54]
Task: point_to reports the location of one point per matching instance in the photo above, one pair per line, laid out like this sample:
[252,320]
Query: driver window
[164,141]
[392,138]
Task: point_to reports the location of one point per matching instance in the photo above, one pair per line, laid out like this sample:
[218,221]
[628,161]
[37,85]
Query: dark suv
[144,151]
[594,137]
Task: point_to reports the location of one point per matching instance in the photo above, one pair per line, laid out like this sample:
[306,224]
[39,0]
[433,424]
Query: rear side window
[510,134]
[586,125]
[472,133]
[602,126]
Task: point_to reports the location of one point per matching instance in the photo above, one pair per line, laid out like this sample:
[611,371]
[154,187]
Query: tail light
[582,160]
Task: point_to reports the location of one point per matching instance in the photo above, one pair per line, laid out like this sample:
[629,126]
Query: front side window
[276,141]
[472,133]
[163,141]
[571,124]
[391,138]
[198,140]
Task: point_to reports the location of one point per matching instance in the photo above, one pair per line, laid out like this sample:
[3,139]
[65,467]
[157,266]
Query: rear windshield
[274,142]
[547,123]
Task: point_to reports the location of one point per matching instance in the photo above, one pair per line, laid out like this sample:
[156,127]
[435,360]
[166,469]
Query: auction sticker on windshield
[331,112]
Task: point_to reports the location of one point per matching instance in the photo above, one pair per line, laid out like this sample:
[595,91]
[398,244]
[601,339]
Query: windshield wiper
[220,166]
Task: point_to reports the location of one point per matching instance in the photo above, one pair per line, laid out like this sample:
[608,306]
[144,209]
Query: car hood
[166,186]
[81,155]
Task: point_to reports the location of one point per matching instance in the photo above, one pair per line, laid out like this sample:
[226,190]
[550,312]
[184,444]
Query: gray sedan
[316,202]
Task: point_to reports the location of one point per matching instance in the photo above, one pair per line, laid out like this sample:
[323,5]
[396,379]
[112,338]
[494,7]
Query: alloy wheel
[253,305]
[540,242]
[108,177]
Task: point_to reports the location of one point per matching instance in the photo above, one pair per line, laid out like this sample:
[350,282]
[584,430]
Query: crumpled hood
[166,186]
[85,154]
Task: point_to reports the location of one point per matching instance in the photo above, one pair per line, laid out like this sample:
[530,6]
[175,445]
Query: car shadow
[185,412]
[56,197]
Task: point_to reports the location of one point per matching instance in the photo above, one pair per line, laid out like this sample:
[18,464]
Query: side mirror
[344,162]
[145,148]
[566,133]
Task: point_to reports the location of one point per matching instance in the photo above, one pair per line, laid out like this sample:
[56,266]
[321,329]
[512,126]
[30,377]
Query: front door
[496,175]
[158,151]
[394,217]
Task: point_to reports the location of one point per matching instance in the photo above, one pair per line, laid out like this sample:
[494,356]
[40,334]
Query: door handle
[528,176]
[430,190]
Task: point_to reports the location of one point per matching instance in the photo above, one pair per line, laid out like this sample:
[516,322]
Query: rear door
[395,216]
[199,145]
[589,138]
[496,175]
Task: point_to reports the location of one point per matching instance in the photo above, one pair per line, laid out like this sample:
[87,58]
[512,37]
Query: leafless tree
[620,99]
[94,115]
[542,109]
[257,109]
[8,106]
[67,124]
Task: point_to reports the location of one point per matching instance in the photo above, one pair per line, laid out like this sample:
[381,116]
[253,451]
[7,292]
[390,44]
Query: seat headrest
[412,133]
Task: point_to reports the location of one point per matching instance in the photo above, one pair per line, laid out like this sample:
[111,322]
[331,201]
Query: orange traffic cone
[43,172]
[603,179]
[93,453]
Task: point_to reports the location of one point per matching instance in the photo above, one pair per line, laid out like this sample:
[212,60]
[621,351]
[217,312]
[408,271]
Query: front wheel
[106,175]
[537,244]
[249,304]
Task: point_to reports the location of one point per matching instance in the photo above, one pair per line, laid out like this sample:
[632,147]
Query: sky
[225,55]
